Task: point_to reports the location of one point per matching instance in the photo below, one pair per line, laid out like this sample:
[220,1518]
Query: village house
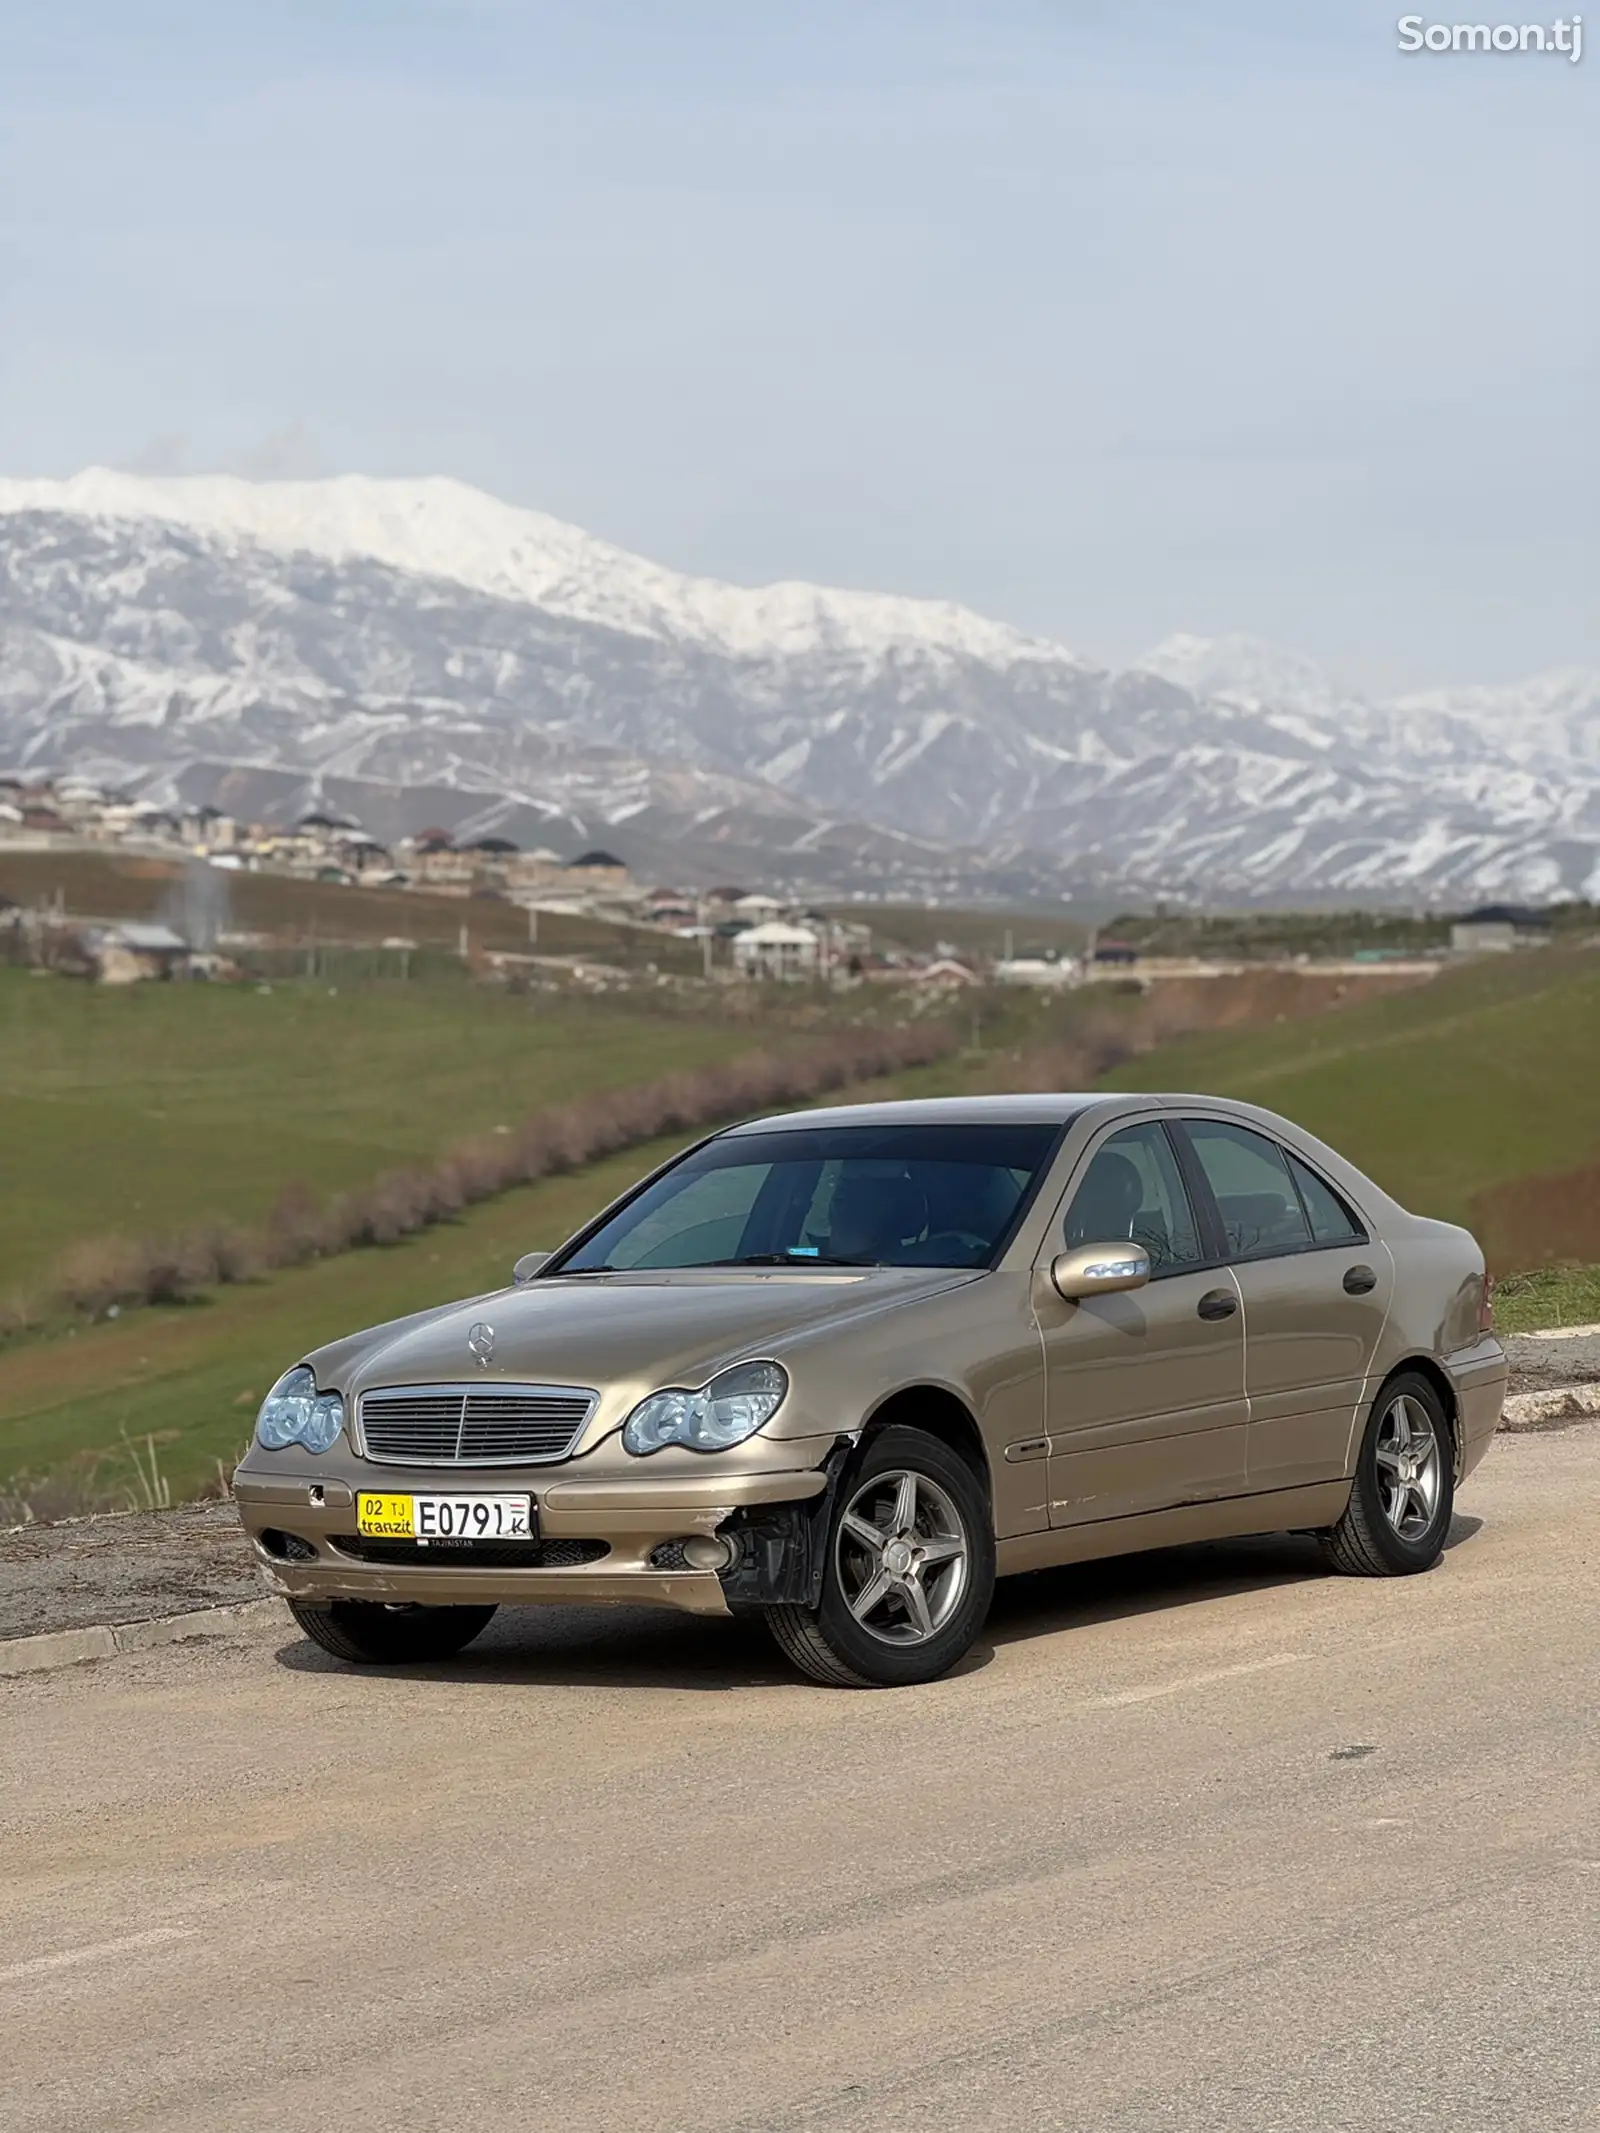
[1050,973]
[775,950]
[754,909]
[430,861]
[944,974]
[136,951]
[598,873]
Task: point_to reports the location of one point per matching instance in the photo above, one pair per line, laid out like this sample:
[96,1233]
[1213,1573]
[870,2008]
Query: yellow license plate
[429,1518]
[386,1517]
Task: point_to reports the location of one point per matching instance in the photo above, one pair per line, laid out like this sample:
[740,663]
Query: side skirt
[1281,1511]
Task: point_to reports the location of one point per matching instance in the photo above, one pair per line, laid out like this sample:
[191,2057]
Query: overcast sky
[1107,319]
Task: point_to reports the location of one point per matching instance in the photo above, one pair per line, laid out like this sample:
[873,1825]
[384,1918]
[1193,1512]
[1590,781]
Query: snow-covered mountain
[420,651]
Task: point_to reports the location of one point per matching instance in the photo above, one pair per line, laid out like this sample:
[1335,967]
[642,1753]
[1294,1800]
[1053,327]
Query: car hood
[623,1330]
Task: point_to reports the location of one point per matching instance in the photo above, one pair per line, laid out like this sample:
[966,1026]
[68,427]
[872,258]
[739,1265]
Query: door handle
[1217,1303]
[1359,1281]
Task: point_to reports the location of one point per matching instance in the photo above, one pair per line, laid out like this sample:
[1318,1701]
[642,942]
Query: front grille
[508,1555]
[473,1425]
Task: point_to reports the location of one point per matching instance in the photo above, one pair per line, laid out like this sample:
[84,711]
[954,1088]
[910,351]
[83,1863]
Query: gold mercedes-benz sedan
[844,1368]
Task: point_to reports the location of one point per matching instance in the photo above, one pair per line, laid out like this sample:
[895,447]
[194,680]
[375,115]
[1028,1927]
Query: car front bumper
[628,1518]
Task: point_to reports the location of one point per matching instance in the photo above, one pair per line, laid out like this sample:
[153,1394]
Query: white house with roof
[776,950]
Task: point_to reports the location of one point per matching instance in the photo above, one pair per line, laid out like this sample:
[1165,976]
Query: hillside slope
[1441,1093]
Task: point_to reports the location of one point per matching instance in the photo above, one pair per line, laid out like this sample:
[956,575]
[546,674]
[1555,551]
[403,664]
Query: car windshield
[939,1195]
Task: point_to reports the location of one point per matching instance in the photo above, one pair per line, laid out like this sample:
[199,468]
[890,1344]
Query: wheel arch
[937,1412]
[1430,1368]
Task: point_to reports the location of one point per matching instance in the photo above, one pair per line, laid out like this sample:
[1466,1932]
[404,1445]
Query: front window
[1133,1188]
[936,1195]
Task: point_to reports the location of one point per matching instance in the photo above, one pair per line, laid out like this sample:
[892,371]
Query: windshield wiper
[791,1259]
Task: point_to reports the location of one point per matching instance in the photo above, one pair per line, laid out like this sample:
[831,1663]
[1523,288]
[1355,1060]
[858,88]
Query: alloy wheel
[1409,1466]
[902,1556]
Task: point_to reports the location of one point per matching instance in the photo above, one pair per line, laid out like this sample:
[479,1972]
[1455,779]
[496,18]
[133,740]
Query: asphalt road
[1204,1841]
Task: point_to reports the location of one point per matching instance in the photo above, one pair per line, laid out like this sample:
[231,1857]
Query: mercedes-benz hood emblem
[480,1339]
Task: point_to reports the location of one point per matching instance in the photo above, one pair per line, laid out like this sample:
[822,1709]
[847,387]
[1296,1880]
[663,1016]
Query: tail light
[1486,1305]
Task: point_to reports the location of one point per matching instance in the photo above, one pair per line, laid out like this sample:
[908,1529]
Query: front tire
[908,1570]
[367,1633]
[1404,1488]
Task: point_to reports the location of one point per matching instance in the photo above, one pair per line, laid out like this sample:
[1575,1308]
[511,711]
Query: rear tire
[908,1569]
[1404,1487]
[367,1633]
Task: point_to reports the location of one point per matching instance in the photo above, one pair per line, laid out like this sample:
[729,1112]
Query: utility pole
[533,925]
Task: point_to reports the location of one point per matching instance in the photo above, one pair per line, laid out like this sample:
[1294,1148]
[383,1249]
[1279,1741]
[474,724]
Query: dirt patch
[1542,1362]
[123,1568]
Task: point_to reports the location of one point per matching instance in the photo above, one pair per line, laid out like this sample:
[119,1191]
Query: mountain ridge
[157,624]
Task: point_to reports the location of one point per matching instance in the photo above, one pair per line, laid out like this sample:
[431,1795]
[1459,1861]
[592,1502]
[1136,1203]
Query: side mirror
[1100,1269]
[527,1266]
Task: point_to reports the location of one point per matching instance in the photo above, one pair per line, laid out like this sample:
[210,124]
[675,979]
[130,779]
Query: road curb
[110,1640]
[1547,1410]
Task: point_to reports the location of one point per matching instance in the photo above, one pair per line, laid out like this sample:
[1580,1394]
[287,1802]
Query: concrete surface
[1568,1355]
[1208,1842]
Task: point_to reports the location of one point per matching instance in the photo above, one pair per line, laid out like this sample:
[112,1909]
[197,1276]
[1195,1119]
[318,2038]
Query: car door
[1144,1390]
[1316,1293]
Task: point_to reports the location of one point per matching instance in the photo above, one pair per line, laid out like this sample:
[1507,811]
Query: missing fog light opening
[1563,37]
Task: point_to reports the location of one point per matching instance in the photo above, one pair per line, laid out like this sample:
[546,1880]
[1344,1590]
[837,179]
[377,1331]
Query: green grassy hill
[1486,1073]
[138,1109]
[191,1376]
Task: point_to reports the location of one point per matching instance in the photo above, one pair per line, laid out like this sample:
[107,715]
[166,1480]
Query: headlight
[294,1412]
[729,1409]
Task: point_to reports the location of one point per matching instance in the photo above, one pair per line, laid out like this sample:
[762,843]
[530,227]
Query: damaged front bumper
[601,1538]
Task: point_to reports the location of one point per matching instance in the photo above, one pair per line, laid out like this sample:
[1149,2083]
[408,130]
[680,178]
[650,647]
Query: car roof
[1041,1108]
[1044,1109]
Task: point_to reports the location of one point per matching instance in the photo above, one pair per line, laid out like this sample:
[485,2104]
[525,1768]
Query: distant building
[1118,954]
[491,859]
[597,871]
[776,951]
[1481,936]
[755,909]
[944,973]
[431,860]
[130,953]
[1495,929]
[1050,973]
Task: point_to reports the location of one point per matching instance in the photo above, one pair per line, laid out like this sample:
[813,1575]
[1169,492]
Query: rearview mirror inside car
[1100,1269]
[527,1266]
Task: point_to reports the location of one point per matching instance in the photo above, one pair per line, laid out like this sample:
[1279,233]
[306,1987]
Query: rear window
[1331,1221]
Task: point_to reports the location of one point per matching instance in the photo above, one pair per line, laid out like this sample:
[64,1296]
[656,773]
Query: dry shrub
[1540,1221]
[102,1272]
[296,1229]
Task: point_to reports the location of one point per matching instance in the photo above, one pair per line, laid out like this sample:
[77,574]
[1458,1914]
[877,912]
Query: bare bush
[102,1273]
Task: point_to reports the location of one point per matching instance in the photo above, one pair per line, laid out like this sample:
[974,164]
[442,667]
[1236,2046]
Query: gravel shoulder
[135,1566]
[126,1568]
